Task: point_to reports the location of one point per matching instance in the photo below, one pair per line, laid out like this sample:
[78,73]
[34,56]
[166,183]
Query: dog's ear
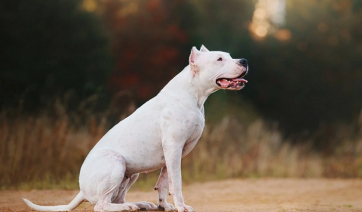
[193,58]
[194,54]
[203,49]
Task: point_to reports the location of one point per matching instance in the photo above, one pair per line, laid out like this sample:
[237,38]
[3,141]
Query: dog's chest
[194,138]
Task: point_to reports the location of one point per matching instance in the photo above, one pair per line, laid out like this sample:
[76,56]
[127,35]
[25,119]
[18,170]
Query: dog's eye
[220,59]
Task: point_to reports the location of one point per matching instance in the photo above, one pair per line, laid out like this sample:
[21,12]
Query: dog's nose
[243,62]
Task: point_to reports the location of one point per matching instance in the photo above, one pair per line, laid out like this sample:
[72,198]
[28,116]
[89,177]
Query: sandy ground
[230,195]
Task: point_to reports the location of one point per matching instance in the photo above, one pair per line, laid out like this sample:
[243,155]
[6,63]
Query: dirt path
[230,195]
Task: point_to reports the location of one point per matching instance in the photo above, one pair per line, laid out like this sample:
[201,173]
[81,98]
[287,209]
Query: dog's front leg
[173,154]
[162,187]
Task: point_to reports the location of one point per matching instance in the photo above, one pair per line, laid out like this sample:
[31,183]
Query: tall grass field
[47,151]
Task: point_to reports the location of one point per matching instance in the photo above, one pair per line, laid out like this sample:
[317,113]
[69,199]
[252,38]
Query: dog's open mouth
[233,83]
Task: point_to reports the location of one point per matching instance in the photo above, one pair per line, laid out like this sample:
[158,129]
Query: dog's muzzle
[243,62]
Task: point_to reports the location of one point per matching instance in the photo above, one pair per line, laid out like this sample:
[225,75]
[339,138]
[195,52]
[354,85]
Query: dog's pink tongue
[224,83]
[240,80]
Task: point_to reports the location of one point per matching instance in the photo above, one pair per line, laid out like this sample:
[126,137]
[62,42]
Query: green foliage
[315,78]
[309,83]
[223,25]
[50,48]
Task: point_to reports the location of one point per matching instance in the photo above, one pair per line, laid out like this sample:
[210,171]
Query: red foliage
[153,5]
[176,32]
[146,44]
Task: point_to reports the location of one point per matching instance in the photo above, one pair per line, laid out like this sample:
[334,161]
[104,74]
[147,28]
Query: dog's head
[218,68]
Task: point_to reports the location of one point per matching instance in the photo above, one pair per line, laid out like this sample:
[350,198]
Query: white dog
[157,135]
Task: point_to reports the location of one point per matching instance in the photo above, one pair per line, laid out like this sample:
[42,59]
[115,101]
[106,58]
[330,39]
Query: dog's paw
[166,207]
[184,208]
[131,206]
[127,206]
[148,206]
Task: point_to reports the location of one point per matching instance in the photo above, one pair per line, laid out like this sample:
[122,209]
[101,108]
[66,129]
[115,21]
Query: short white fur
[157,135]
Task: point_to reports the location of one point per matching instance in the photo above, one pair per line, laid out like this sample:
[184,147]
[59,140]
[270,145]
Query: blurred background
[71,69]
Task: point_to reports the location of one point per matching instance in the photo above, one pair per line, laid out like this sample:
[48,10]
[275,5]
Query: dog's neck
[189,85]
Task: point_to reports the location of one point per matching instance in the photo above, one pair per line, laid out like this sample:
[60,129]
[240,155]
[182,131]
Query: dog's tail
[73,204]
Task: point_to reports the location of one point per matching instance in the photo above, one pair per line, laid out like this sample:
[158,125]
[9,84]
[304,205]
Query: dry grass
[47,152]
[233,150]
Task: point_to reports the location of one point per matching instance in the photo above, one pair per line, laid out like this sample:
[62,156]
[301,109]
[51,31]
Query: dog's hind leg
[100,179]
[161,187]
[125,186]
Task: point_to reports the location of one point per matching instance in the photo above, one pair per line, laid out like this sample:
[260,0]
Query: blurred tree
[150,41]
[313,79]
[306,74]
[49,48]
[224,25]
